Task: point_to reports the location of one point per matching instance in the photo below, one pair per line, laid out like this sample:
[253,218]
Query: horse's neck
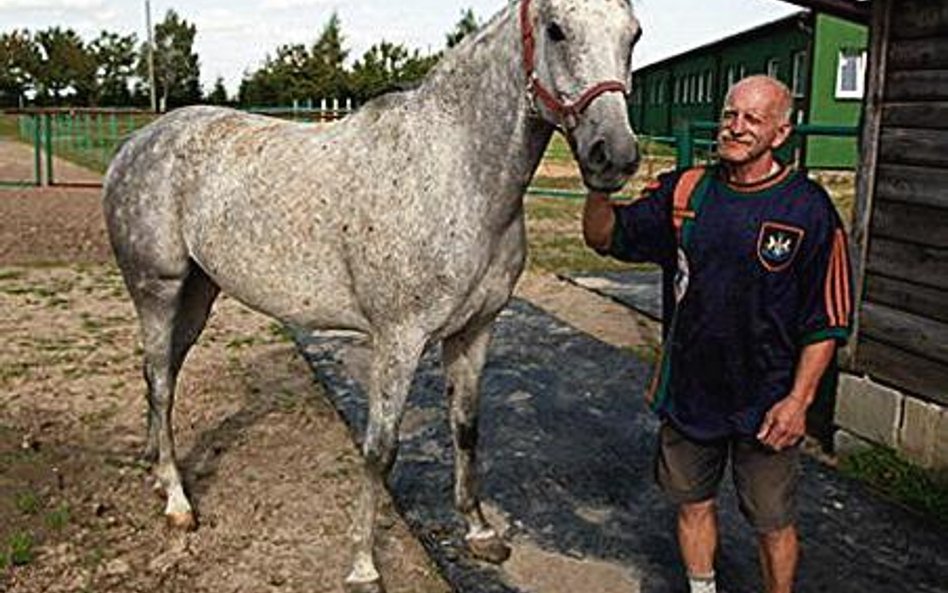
[482,83]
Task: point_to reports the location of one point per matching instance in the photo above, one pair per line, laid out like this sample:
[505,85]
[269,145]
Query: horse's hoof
[365,586]
[181,521]
[491,549]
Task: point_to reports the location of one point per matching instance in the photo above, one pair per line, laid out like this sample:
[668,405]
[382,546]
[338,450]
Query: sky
[235,36]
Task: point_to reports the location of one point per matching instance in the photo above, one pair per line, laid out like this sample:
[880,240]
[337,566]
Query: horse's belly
[290,282]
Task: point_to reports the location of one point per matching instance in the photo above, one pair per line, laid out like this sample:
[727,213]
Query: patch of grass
[13,370]
[20,549]
[11,274]
[242,342]
[58,518]
[280,332]
[900,480]
[9,127]
[27,502]
[569,183]
[563,254]
[539,208]
[558,150]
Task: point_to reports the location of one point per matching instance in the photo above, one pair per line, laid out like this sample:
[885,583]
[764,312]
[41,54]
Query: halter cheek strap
[568,112]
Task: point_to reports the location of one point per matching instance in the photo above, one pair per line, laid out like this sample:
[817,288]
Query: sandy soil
[270,467]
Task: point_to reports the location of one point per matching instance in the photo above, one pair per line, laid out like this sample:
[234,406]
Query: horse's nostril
[599,156]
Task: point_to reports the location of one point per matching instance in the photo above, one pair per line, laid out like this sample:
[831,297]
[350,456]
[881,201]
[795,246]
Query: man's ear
[783,132]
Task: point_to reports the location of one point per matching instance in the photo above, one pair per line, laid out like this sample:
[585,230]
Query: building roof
[800,19]
[854,10]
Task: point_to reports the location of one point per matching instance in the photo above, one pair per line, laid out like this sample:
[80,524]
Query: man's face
[751,124]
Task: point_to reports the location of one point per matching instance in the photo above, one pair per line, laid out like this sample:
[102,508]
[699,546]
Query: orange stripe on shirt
[847,293]
[839,298]
[828,289]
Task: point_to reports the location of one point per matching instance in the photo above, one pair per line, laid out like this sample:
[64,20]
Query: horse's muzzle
[609,160]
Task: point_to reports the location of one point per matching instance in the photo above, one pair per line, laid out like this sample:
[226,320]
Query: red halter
[567,111]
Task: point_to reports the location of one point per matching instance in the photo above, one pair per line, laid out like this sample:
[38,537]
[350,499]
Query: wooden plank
[917,185]
[919,54]
[914,147]
[931,115]
[917,85]
[927,266]
[905,296]
[879,35]
[913,333]
[903,370]
[912,19]
[911,223]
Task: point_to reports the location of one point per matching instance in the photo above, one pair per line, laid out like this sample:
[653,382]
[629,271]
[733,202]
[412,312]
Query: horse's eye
[554,32]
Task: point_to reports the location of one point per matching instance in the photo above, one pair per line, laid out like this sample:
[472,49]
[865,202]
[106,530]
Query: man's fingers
[765,427]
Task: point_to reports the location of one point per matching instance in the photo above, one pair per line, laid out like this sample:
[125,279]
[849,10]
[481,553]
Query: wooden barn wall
[903,322]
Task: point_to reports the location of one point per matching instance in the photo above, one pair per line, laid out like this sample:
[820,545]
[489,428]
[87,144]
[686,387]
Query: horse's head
[578,57]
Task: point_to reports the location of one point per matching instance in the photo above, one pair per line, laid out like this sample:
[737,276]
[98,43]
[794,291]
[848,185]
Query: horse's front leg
[464,357]
[394,360]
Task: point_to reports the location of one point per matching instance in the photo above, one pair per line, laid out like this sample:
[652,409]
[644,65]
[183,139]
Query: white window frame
[731,76]
[700,88]
[857,58]
[798,68]
[709,87]
[773,67]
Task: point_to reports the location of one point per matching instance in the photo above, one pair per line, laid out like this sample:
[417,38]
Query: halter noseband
[567,111]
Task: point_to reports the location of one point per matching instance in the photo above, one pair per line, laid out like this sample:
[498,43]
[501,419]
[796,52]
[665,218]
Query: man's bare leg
[697,540]
[779,551]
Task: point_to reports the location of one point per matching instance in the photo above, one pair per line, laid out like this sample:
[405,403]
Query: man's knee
[697,511]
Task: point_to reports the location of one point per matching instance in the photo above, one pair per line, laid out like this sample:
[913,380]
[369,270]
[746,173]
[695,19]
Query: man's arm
[785,422]
[599,220]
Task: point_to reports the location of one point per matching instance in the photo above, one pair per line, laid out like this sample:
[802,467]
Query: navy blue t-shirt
[758,273]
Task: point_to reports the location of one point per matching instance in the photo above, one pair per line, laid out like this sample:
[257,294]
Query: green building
[821,58]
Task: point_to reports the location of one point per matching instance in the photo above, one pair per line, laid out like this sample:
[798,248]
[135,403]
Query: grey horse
[404,222]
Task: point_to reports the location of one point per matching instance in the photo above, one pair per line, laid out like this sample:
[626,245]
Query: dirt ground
[270,467]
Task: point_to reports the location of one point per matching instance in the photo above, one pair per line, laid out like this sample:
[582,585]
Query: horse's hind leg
[394,360]
[173,312]
[464,357]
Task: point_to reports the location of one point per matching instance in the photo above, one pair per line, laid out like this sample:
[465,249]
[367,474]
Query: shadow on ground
[566,455]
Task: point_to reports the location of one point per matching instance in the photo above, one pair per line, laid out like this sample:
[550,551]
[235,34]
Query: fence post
[48,142]
[37,150]
[686,147]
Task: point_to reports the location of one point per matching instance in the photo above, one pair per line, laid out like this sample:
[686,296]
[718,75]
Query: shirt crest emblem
[778,244]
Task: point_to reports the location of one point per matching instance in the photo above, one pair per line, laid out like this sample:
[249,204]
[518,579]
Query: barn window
[708,88]
[731,76]
[773,67]
[850,74]
[798,85]
[700,88]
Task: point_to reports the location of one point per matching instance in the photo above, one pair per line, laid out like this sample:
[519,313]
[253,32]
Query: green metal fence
[90,137]
[689,145]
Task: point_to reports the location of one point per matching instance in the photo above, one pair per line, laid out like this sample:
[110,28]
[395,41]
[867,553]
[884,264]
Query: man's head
[755,120]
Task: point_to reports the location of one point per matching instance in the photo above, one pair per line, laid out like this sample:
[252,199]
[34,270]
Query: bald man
[756,300]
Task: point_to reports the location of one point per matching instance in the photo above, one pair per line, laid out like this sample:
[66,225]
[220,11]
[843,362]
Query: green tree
[386,67]
[326,67]
[218,96]
[467,24]
[19,60]
[115,64]
[297,73]
[177,68]
[66,70]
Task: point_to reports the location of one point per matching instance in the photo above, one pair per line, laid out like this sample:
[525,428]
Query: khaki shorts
[766,480]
